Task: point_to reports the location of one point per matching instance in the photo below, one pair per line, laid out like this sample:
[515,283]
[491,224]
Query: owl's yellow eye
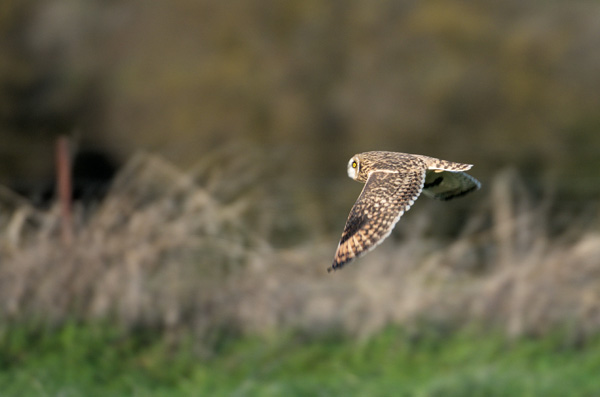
[354,164]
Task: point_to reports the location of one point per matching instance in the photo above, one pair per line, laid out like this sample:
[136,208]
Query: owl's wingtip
[334,266]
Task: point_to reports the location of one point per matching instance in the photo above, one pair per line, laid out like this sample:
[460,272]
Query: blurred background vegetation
[251,110]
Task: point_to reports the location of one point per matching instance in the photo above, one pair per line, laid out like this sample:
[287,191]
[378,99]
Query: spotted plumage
[393,181]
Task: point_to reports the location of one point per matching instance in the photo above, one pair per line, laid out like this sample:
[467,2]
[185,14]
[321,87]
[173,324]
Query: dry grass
[182,251]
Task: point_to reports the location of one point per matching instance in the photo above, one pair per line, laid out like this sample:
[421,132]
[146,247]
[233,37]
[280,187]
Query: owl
[393,181]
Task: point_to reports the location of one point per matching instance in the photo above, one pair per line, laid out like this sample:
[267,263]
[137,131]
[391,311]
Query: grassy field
[86,361]
[201,268]
[173,285]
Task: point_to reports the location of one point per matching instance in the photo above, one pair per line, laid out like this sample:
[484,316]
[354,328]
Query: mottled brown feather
[383,200]
[393,181]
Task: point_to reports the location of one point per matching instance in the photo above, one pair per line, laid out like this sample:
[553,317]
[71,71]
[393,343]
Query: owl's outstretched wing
[384,199]
[446,185]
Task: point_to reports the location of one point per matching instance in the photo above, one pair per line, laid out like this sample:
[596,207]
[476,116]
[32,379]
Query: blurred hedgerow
[194,251]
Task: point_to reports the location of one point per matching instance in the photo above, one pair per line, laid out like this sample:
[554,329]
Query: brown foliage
[177,250]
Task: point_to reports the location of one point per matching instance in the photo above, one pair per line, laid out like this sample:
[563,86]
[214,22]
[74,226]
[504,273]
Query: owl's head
[357,170]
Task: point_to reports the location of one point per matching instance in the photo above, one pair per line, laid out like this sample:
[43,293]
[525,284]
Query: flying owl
[393,181]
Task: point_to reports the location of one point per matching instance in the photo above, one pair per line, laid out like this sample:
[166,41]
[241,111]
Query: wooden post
[64,187]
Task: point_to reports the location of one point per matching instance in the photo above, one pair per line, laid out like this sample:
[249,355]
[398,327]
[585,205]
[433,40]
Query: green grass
[101,361]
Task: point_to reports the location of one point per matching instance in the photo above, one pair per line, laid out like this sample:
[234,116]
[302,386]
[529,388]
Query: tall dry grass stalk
[157,251]
[184,251]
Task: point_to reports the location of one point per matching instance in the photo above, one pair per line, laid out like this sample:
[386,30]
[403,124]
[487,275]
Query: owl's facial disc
[353,167]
